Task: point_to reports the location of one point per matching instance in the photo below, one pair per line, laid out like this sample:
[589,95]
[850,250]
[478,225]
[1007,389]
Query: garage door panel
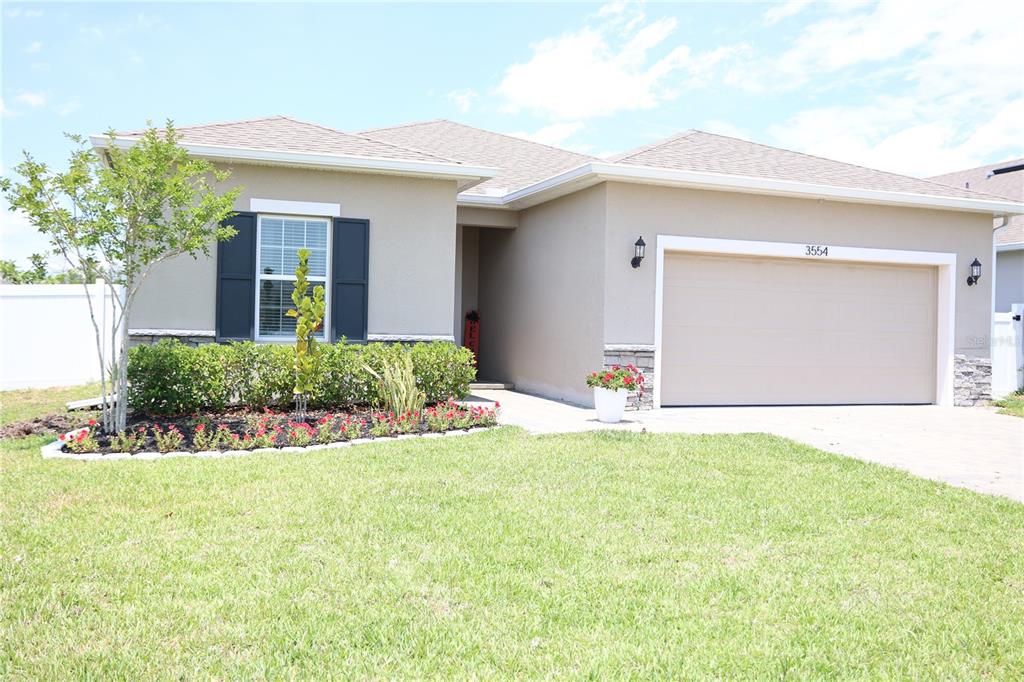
[739,330]
[769,387]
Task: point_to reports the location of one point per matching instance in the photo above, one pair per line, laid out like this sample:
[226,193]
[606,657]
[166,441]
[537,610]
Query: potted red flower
[611,388]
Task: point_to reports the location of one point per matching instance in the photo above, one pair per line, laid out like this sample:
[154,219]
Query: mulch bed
[238,421]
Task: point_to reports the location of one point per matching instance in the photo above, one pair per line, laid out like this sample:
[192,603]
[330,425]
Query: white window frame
[291,278]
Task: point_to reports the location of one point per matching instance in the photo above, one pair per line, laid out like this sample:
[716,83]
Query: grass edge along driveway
[506,555]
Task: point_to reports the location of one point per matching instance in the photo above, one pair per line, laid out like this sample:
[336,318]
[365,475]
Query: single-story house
[1004,179]
[767,276]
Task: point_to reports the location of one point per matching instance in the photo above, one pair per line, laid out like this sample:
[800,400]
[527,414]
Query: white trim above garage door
[945,295]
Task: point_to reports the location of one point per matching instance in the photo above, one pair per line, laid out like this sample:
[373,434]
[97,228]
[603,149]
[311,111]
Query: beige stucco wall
[487,217]
[541,297]
[637,209]
[1009,279]
[412,250]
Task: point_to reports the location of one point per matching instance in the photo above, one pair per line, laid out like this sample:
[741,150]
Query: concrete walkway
[972,448]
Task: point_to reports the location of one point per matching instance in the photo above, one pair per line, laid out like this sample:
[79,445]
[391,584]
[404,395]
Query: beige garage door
[776,331]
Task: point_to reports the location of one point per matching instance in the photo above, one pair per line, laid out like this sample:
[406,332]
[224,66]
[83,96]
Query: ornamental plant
[382,424]
[81,440]
[397,387]
[309,317]
[206,437]
[350,428]
[241,442]
[617,378]
[264,438]
[325,432]
[169,439]
[300,434]
[451,415]
[128,441]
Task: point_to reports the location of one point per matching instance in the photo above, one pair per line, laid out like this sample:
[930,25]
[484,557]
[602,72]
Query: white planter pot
[609,404]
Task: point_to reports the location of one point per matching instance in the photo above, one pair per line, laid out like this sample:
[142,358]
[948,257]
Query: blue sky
[885,85]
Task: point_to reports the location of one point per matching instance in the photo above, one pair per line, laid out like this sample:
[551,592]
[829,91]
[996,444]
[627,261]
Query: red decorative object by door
[471,337]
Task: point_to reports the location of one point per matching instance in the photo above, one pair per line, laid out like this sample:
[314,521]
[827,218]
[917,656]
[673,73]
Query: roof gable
[696,150]
[521,162]
[1010,185]
[283,133]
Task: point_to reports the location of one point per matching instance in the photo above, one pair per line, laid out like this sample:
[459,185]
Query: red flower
[200,427]
[92,422]
[62,436]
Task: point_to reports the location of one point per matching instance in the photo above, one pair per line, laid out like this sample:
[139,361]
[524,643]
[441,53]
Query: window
[278,240]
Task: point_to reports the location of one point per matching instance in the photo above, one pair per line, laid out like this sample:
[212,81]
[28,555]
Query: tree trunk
[121,422]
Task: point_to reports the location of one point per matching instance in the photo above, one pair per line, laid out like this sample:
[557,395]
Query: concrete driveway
[972,448]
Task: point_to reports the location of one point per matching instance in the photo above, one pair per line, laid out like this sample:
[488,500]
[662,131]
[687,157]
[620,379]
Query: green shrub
[443,370]
[340,381]
[172,378]
[259,375]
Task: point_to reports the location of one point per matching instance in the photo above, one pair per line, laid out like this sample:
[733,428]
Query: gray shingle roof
[282,133]
[696,150]
[1009,185]
[521,162]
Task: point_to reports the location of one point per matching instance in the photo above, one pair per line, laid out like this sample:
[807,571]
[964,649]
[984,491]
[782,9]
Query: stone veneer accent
[643,357]
[189,337]
[972,380]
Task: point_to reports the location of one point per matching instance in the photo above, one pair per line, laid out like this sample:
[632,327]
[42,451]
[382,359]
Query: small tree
[309,316]
[118,215]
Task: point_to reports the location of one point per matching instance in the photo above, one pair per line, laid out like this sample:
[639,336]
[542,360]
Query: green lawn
[506,555]
[35,402]
[1012,404]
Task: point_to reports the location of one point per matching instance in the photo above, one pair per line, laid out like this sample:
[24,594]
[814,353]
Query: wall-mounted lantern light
[639,248]
[975,273]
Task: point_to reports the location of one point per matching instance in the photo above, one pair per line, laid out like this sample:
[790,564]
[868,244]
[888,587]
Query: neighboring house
[1004,179]
[770,277]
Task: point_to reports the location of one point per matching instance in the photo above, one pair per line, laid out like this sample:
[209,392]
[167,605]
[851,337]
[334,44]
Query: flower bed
[243,431]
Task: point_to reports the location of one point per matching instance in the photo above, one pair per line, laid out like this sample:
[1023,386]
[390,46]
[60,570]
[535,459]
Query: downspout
[1002,220]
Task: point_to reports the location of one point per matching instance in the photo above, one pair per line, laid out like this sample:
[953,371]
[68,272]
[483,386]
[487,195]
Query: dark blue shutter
[236,280]
[350,271]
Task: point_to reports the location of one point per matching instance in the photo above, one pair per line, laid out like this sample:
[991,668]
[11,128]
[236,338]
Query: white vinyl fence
[1008,352]
[46,336]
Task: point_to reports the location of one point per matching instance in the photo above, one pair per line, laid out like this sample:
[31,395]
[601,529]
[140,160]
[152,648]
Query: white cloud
[784,10]
[554,134]
[69,107]
[35,47]
[957,72]
[92,32]
[32,99]
[463,99]
[27,13]
[619,61]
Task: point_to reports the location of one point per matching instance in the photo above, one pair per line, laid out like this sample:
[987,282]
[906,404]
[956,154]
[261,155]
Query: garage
[752,330]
